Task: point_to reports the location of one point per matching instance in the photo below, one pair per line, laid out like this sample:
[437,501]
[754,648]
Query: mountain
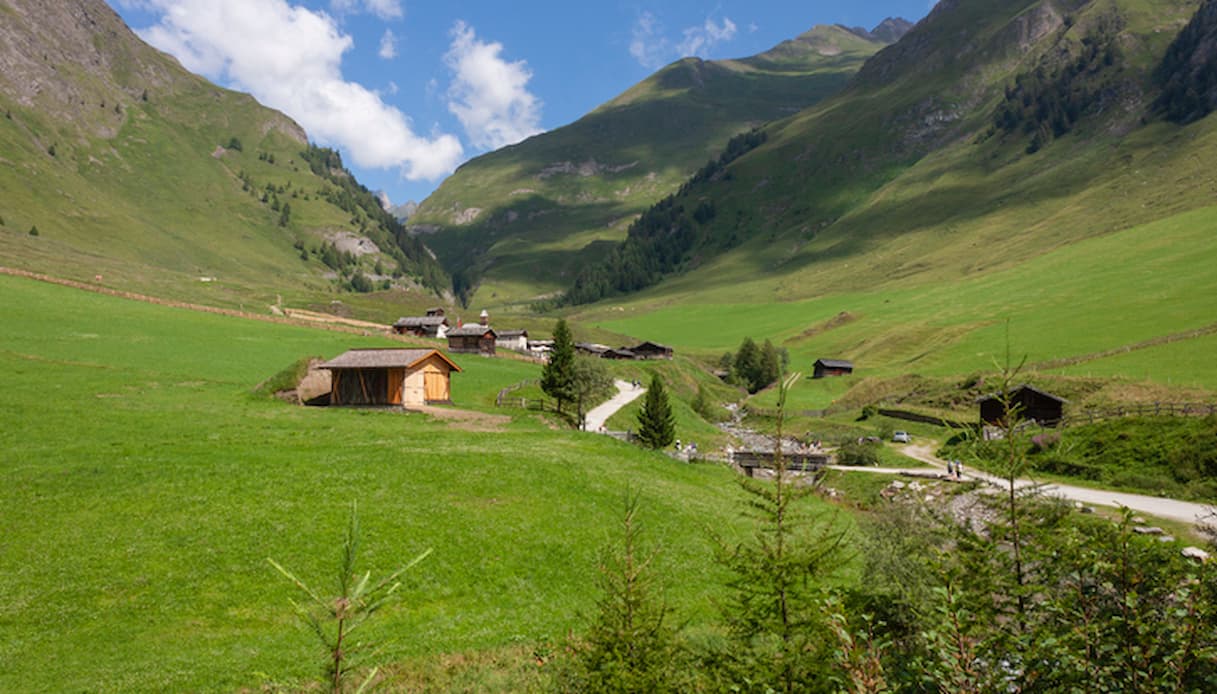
[889,30]
[518,222]
[991,133]
[119,163]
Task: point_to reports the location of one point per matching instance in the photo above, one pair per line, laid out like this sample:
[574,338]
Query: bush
[34,230]
[859,453]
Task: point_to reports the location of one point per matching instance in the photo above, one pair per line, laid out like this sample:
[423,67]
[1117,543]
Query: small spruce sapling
[335,619]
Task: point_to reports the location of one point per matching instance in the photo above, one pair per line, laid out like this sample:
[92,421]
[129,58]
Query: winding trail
[626,393]
[1172,509]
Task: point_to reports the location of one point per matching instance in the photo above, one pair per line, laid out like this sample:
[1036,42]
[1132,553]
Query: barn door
[435,385]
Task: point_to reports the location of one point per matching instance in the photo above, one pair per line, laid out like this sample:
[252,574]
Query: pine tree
[656,424]
[557,378]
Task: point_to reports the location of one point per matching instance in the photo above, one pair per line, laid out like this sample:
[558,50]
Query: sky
[408,90]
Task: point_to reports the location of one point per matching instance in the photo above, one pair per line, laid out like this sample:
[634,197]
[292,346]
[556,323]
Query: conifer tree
[557,378]
[656,424]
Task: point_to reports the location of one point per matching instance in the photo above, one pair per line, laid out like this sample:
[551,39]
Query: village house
[1029,403]
[475,338]
[390,377]
[650,350]
[472,339]
[515,340]
[591,348]
[832,367]
[423,326]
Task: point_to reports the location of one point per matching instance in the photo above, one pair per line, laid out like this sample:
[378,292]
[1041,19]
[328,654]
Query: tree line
[373,220]
[1187,74]
[1082,79]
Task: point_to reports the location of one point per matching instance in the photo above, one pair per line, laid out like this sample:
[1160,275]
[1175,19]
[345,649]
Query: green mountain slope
[133,169]
[912,183]
[915,155]
[518,222]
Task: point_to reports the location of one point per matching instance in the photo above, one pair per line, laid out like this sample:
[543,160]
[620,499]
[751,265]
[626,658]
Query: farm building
[516,340]
[423,326]
[433,312]
[622,354]
[472,339]
[1029,402]
[591,348]
[832,367]
[400,377]
[650,350]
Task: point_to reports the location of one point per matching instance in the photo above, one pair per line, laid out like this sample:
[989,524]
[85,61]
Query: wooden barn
[422,326]
[651,350]
[387,377]
[1029,402]
[472,339]
[832,367]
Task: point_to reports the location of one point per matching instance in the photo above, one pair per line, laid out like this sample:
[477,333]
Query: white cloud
[489,95]
[388,45]
[699,40]
[647,44]
[652,49]
[290,59]
[385,9]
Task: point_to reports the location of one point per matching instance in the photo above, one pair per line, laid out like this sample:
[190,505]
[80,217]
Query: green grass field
[145,487]
[1121,289]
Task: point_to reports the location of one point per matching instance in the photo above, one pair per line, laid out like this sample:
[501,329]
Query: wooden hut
[472,339]
[652,350]
[402,377]
[832,367]
[1030,403]
[422,326]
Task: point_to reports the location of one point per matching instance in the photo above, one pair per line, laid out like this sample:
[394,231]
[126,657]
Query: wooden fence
[1151,409]
[504,398]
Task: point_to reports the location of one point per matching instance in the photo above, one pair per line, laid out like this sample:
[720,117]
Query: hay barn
[390,377]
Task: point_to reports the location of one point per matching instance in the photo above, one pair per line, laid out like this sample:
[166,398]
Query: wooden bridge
[749,461]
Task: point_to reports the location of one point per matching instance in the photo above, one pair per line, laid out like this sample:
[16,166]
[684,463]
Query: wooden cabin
[422,326]
[472,339]
[1030,403]
[832,367]
[388,377]
[623,353]
[652,350]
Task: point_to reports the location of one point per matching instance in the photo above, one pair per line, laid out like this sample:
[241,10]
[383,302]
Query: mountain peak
[890,30]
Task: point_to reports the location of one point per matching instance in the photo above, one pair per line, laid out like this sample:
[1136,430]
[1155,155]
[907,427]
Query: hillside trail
[1172,509]
[626,393]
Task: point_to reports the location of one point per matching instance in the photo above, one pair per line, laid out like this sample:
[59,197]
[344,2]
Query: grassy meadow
[146,486]
[1077,302]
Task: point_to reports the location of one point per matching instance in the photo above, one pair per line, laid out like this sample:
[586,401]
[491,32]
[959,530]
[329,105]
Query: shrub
[859,453]
[34,230]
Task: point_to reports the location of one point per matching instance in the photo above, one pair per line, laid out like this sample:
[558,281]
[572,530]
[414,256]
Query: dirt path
[1172,509]
[626,393]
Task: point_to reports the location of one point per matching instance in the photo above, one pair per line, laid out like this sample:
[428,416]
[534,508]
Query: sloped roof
[420,321]
[474,330]
[835,363]
[1025,386]
[384,359]
[650,345]
[513,333]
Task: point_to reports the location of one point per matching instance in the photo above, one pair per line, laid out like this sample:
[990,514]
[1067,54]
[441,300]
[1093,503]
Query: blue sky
[408,90]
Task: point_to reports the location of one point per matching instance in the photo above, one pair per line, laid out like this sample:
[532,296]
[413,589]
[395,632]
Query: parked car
[901,437]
